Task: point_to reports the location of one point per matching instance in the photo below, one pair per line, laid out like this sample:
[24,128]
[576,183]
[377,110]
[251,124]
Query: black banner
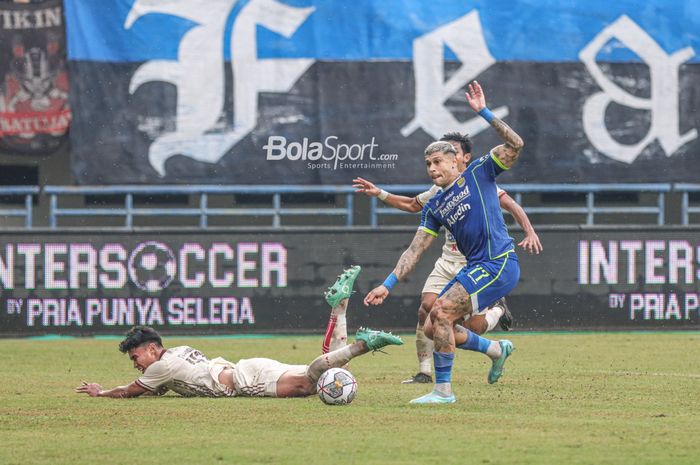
[318,94]
[34,109]
[274,282]
[357,131]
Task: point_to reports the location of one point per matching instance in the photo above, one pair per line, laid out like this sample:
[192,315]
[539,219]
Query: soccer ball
[337,387]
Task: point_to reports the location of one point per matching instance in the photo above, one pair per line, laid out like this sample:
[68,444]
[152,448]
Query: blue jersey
[470,210]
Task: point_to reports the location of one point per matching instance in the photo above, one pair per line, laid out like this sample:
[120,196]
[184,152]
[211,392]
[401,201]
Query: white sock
[339,337]
[494,351]
[336,358]
[443,388]
[492,315]
[337,330]
[342,306]
[424,350]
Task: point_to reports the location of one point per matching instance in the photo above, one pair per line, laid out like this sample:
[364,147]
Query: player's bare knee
[476,325]
[308,389]
[426,305]
[423,314]
[305,387]
[428,329]
[443,312]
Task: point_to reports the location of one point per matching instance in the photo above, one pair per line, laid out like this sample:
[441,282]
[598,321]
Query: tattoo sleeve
[509,151]
[408,260]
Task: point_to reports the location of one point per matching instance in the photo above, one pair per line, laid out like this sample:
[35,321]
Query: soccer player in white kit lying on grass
[188,372]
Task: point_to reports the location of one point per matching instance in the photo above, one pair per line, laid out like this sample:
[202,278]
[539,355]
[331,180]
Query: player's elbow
[413,208]
[520,142]
[517,144]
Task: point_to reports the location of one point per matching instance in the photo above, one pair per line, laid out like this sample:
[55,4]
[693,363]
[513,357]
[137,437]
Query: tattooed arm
[407,262]
[508,152]
[409,259]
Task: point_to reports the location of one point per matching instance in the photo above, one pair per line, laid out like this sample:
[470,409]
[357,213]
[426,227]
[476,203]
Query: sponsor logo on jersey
[452,200]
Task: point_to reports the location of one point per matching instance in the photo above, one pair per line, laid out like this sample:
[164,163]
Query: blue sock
[443,366]
[475,343]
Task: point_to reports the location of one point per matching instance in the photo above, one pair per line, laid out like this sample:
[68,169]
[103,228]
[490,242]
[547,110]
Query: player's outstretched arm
[407,204]
[407,262]
[508,152]
[531,242]
[119,392]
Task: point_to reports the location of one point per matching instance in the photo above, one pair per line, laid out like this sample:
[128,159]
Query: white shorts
[257,377]
[443,272]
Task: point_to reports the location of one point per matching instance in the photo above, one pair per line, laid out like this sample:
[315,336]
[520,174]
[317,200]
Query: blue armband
[487,115]
[390,281]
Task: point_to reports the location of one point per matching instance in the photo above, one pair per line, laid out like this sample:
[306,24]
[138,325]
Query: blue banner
[520,30]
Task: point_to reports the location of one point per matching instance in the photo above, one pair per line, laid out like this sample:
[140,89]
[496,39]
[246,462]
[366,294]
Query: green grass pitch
[569,398]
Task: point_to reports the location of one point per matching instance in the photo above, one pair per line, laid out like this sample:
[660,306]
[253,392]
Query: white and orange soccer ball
[337,386]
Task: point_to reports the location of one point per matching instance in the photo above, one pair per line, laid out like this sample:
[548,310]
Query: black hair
[138,336]
[463,139]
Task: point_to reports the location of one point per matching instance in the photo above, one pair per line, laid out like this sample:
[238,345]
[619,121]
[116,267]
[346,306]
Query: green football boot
[497,365]
[342,287]
[375,340]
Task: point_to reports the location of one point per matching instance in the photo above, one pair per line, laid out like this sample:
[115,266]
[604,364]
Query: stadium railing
[587,204]
[588,207]
[14,192]
[686,208]
[203,211]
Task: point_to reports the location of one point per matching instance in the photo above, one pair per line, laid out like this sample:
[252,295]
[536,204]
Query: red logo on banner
[35,97]
[34,109]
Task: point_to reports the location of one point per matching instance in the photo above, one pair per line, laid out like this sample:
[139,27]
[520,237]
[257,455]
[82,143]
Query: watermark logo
[329,154]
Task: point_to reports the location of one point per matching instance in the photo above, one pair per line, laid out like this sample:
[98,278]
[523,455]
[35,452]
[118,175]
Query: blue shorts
[486,282]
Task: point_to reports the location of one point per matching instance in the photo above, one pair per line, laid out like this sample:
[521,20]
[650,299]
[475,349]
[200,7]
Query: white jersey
[186,371]
[450,252]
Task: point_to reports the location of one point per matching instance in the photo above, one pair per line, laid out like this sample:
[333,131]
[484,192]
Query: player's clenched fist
[376,296]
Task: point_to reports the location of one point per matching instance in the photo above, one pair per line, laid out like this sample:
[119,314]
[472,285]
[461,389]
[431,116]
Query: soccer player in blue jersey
[452,261]
[468,207]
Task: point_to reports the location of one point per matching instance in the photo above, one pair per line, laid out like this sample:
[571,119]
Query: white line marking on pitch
[637,373]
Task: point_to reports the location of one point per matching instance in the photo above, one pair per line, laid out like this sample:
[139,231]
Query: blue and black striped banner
[317,92]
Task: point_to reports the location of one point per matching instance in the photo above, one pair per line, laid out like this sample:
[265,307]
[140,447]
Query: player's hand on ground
[475,96]
[364,186]
[531,243]
[91,389]
[376,296]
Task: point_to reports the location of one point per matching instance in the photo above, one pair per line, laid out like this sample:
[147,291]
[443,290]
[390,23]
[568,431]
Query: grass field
[608,398]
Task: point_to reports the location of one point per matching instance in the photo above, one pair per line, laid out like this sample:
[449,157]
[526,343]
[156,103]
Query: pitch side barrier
[200,205]
[242,281]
